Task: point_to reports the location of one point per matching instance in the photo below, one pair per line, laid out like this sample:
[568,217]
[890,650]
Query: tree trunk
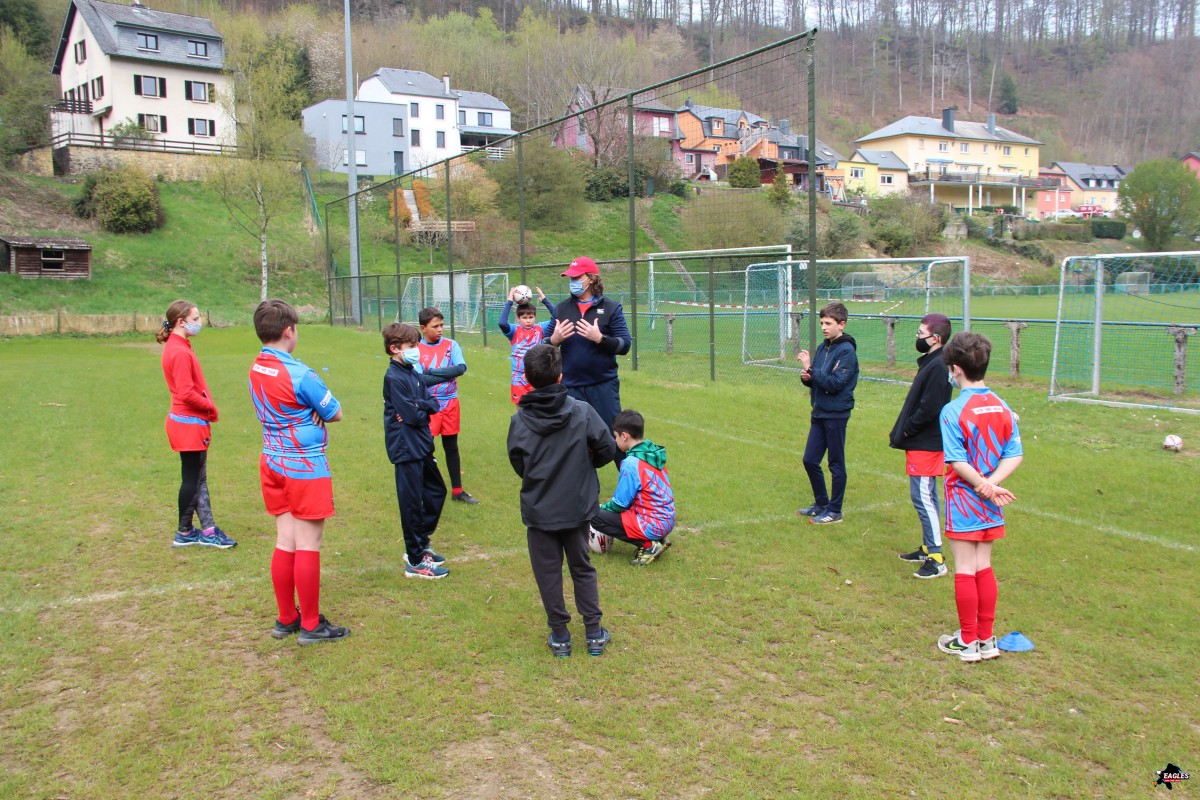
[262,236]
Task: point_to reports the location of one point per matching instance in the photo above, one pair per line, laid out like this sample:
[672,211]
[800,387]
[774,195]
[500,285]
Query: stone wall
[172,166]
[39,324]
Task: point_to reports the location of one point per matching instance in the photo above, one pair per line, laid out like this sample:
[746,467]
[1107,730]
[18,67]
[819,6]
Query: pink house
[1192,160]
[601,132]
[1051,201]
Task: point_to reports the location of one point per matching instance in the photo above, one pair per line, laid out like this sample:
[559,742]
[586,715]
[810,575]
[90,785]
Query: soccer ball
[598,542]
[1173,443]
[522,294]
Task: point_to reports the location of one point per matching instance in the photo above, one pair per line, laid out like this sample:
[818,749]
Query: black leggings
[193,490]
[453,465]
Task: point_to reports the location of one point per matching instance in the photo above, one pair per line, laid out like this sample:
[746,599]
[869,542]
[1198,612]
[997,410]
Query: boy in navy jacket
[420,490]
[830,375]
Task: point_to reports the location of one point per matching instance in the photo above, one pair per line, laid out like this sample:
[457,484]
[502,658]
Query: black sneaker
[931,569]
[324,632]
[463,497]
[597,644]
[560,649]
[917,556]
[281,631]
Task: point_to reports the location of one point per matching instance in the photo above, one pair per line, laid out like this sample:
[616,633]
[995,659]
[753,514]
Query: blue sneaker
[559,649]
[186,539]
[426,569]
[596,644]
[427,555]
[216,539]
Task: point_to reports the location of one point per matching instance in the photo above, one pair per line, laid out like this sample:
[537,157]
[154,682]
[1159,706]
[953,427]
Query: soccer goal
[886,299]
[470,294]
[1123,329]
[679,280]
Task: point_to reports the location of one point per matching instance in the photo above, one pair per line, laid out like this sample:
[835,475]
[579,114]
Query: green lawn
[759,658]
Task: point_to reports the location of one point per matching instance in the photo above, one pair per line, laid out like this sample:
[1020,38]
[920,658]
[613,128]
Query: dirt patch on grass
[30,207]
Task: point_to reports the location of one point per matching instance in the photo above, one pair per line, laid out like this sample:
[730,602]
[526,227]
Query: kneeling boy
[642,509]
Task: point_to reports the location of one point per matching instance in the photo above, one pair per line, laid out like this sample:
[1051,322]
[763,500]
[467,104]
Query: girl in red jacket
[188,422]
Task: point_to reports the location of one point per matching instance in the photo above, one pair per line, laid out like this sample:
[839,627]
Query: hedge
[1108,228]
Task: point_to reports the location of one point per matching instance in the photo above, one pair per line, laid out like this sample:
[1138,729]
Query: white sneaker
[952,644]
[988,648]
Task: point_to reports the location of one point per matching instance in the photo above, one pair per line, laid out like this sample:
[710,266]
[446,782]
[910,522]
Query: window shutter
[162,124]
[212,93]
[187,90]
[162,87]
[212,127]
[142,121]
[137,84]
[191,127]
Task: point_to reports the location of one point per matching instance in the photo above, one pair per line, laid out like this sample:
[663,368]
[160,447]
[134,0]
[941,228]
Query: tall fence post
[712,322]
[450,248]
[1181,335]
[890,322]
[633,317]
[670,318]
[1014,347]
[797,346]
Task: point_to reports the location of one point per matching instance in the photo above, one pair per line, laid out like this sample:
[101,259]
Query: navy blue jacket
[833,376]
[406,409]
[587,363]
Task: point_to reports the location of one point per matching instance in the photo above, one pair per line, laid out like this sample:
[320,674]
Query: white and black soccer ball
[522,294]
[598,542]
[1173,443]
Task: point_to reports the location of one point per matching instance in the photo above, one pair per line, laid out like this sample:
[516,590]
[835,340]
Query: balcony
[979,177]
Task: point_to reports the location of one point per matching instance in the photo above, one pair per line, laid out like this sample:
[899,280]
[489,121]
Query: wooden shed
[61,257]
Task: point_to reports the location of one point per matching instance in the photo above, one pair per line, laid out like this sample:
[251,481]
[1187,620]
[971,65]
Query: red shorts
[981,535]
[187,437]
[520,391]
[446,421]
[304,499]
[925,463]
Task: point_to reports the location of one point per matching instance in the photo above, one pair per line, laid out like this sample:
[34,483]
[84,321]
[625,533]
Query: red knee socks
[987,591]
[283,565]
[966,597]
[308,587]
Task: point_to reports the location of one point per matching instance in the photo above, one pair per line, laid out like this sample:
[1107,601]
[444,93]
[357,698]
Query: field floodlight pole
[352,178]
[812,191]
[632,230]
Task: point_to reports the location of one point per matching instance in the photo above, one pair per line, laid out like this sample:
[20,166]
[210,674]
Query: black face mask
[923,345]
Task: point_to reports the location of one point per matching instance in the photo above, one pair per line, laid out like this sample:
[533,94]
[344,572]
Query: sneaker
[463,497]
[917,556]
[324,632]
[597,644]
[282,631]
[647,554]
[988,648]
[428,555]
[812,511]
[826,518]
[561,649]
[426,569]
[931,569]
[186,539]
[216,539]
[952,644]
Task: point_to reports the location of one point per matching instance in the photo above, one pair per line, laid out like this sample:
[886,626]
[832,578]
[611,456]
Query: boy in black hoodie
[420,490]
[830,375]
[555,444]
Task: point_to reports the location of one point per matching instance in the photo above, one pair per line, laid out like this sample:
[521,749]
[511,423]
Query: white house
[404,120]
[129,63]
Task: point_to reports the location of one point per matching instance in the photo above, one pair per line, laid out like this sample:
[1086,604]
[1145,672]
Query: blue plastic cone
[1015,642]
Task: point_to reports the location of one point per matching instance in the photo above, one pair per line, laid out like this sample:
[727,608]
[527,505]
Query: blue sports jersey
[980,429]
[286,393]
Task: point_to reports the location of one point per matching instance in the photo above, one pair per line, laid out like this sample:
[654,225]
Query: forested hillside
[1106,81]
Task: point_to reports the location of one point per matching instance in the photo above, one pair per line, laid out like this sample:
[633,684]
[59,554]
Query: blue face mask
[193,328]
[412,357]
[576,286]
[950,379]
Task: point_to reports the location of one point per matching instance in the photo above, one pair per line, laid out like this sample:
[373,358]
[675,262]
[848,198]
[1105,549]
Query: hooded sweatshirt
[555,444]
[834,376]
[644,497]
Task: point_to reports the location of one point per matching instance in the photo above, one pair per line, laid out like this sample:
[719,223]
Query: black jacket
[406,409]
[833,377]
[586,363]
[918,426]
[556,443]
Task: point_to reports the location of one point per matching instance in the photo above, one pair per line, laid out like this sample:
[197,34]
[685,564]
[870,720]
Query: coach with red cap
[591,332]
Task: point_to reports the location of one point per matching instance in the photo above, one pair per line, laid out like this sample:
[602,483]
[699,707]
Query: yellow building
[874,173]
[964,164]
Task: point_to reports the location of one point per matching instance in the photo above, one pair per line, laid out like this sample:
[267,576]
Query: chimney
[785,127]
[687,103]
[446,81]
[992,124]
[135,3]
[948,119]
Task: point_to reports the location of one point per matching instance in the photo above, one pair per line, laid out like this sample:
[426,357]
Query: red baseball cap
[581,266]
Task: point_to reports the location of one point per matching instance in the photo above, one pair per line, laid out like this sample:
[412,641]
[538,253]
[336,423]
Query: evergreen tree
[780,193]
[1008,95]
[744,174]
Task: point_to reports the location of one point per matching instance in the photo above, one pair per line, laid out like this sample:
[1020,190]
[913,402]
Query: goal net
[678,281]
[472,291]
[1124,325]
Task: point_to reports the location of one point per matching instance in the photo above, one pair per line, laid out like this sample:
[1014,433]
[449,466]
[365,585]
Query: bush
[901,224]
[122,200]
[1108,228]
[678,188]
[397,206]
[892,238]
[977,227]
[421,195]
[553,186]
[744,174]
[1053,230]
[838,234]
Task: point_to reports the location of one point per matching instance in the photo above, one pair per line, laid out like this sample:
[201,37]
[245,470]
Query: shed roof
[45,242]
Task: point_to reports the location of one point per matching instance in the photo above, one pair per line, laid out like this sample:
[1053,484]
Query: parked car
[1065,213]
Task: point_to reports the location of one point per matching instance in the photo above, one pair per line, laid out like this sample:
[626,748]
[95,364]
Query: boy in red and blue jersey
[642,509]
[294,405]
[527,334]
[982,447]
[441,365]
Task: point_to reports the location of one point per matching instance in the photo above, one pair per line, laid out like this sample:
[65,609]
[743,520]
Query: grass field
[758,658]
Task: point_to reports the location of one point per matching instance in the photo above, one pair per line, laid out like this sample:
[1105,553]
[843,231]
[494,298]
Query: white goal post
[677,261]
